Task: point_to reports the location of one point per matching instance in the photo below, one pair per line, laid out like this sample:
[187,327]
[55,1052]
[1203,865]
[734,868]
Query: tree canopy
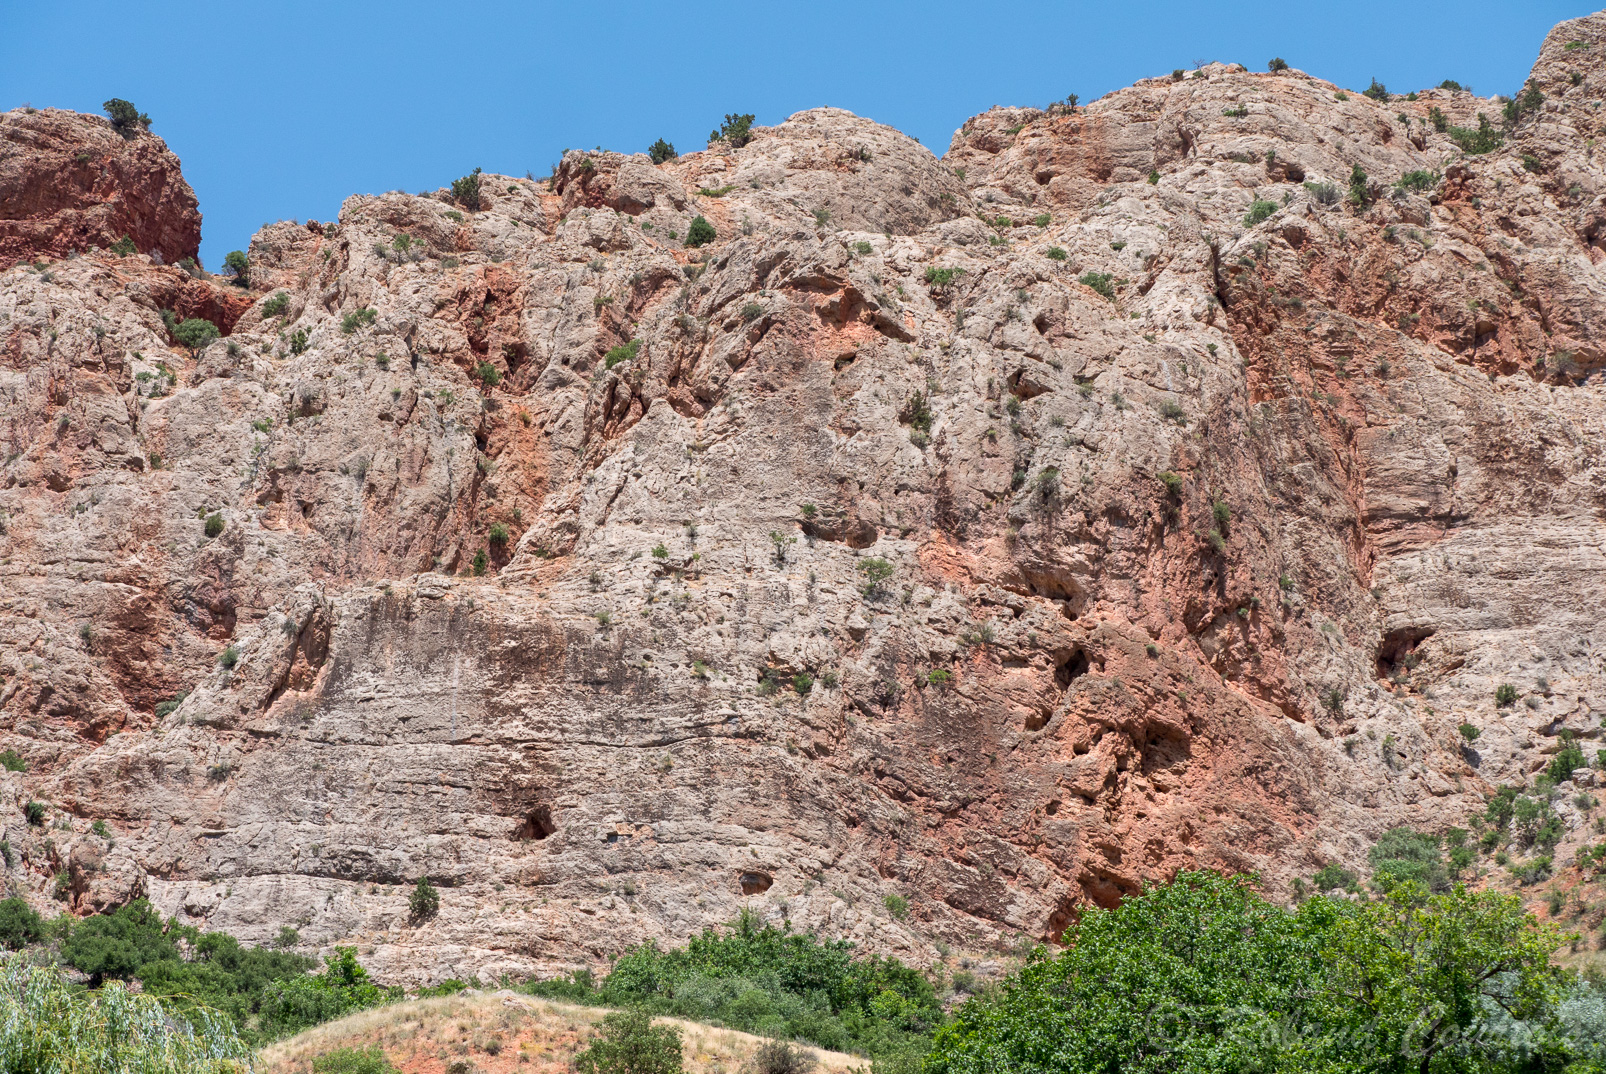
[1203,974]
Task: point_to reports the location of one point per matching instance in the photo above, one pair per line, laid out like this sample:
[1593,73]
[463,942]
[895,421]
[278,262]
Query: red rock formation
[1210,502]
[69,182]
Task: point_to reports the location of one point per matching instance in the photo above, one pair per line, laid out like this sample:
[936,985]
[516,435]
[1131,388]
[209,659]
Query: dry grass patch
[500,1033]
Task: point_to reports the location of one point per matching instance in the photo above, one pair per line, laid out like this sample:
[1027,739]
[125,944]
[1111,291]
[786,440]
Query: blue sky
[281,110]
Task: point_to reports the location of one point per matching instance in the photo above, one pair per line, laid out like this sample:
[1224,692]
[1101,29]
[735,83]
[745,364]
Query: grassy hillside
[499,1033]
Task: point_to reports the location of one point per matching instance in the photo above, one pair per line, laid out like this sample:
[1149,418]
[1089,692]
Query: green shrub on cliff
[125,117]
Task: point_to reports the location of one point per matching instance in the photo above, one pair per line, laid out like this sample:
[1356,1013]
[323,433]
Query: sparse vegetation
[276,305]
[1323,193]
[359,318]
[736,131]
[1505,695]
[194,333]
[661,152]
[1419,182]
[1485,138]
[126,119]
[876,572]
[466,191]
[424,902]
[624,352]
[1259,210]
[700,233]
[1102,282]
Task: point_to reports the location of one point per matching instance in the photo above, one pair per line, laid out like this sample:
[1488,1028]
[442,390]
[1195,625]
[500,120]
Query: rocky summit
[916,550]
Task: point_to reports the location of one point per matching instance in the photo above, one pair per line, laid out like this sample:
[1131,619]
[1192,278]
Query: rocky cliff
[1150,484]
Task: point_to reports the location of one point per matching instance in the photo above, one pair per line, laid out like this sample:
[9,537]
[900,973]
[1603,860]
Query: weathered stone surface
[69,182]
[672,687]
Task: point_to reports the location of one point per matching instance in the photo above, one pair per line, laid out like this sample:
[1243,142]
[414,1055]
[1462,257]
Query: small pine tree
[661,152]
[424,903]
[1277,64]
[125,117]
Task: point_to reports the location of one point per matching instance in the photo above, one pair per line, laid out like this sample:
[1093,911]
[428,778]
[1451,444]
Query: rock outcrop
[1159,483]
[70,183]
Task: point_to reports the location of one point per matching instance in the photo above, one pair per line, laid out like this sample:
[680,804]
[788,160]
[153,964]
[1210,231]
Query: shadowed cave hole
[756,883]
[1397,652]
[538,825]
[1071,668]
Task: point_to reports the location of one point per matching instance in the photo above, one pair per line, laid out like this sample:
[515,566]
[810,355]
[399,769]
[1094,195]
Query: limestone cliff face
[1112,495]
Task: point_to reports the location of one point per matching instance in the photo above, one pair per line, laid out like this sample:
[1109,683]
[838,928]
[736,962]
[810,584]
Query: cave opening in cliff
[1071,668]
[1397,653]
[538,825]
[756,883]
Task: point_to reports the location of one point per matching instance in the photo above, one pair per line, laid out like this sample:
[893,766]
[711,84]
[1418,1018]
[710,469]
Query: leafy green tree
[876,572]
[240,265]
[1403,854]
[1196,975]
[701,232]
[49,1026]
[116,945]
[292,1004]
[661,152]
[20,925]
[1202,975]
[631,1044]
[195,334]
[1411,980]
[125,117]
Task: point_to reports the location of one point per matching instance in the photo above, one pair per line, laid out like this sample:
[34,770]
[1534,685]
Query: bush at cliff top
[48,1026]
[773,982]
[125,117]
[1205,975]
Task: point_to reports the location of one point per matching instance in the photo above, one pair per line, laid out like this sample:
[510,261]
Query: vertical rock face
[1155,484]
[69,182]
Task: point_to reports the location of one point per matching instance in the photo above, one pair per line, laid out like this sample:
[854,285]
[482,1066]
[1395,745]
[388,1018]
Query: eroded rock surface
[1136,487]
[69,182]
